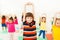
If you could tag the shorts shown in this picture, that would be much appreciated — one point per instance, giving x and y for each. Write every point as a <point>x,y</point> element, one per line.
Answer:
<point>3,25</point>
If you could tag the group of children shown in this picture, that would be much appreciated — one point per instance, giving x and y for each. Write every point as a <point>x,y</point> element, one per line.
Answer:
<point>9,23</point>
<point>29,27</point>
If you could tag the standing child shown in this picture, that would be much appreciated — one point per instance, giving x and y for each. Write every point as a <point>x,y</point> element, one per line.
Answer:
<point>42,26</point>
<point>16,23</point>
<point>29,28</point>
<point>56,29</point>
<point>11,27</point>
<point>16,28</point>
<point>3,22</point>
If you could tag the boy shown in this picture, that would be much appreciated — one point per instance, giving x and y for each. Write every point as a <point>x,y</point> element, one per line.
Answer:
<point>3,23</point>
<point>29,27</point>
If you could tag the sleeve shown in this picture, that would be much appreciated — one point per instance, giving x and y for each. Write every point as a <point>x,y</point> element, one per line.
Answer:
<point>16,21</point>
<point>24,23</point>
<point>6,23</point>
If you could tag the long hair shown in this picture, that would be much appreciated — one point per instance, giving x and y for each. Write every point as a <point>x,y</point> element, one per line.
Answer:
<point>56,20</point>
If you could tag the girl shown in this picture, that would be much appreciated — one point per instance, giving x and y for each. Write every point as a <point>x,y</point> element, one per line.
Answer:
<point>16,25</point>
<point>29,28</point>
<point>42,26</point>
<point>56,29</point>
<point>11,27</point>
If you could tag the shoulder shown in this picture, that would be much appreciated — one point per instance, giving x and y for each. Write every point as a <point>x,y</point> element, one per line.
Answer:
<point>7,22</point>
<point>24,23</point>
<point>34,22</point>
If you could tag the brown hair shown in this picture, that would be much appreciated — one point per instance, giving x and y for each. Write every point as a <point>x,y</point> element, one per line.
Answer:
<point>11,18</point>
<point>56,20</point>
<point>29,15</point>
<point>3,17</point>
<point>15,17</point>
<point>44,17</point>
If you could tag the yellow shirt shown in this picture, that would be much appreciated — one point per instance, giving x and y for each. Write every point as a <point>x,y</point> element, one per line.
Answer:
<point>43,26</point>
<point>56,32</point>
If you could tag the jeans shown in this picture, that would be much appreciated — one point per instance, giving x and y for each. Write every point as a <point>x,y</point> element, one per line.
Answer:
<point>42,31</point>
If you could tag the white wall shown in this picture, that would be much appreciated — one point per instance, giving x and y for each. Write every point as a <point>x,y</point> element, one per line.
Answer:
<point>50,7</point>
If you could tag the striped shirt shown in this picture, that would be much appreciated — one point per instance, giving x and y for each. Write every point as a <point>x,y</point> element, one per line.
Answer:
<point>29,30</point>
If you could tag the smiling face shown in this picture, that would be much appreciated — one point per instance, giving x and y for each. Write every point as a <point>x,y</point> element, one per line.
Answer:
<point>29,19</point>
<point>58,22</point>
<point>10,20</point>
<point>43,19</point>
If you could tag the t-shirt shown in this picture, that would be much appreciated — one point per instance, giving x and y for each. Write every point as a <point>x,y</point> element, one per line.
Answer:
<point>43,26</point>
<point>11,26</point>
<point>56,32</point>
<point>29,30</point>
<point>3,20</point>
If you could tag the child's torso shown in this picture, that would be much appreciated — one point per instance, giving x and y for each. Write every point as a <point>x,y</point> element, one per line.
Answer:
<point>56,32</point>
<point>11,27</point>
<point>43,26</point>
<point>29,31</point>
<point>3,21</point>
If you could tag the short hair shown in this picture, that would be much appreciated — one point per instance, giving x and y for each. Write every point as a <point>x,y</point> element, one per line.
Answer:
<point>29,15</point>
<point>3,17</point>
<point>43,17</point>
<point>15,17</point>
<point>57,18</point>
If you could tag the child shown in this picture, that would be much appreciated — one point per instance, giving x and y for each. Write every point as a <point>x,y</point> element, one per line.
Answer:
<point>11,27</point>
<point>29,27</point>
<point>56,29</point>
<point>42,26</point>
<point>22,17</point>
<point>16,24</point>
<point>3,22</point>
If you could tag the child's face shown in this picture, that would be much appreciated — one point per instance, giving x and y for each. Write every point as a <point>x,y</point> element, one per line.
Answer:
<point>29,19</point>
<point>10,21</point>
<point>58,23</point>
<point>44,19</point>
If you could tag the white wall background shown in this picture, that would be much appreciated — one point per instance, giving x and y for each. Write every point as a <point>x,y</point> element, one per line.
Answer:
<point>50,7</point>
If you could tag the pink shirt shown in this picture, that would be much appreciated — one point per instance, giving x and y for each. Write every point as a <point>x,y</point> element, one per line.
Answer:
<point>11,26</point>
<point>16,21</point>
